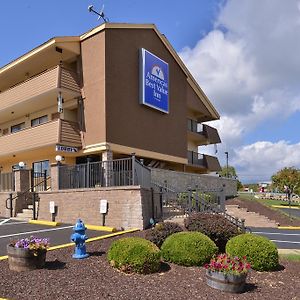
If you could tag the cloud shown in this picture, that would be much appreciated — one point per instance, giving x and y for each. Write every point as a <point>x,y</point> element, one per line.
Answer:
<point>262,159</point>
<point>249,66</point>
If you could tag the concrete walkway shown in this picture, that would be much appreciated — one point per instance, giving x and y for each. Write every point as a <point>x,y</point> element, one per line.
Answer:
<point>252,219</point>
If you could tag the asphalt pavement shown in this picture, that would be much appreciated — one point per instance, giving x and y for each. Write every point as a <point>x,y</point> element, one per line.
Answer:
<point>11,230</point>
<point>283,238</point>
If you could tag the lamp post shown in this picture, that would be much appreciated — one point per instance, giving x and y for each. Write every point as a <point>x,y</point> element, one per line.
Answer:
<point>227,175</point>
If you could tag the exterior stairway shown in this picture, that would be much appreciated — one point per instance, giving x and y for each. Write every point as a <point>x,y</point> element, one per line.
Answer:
<point>26,214</point>
<point>252,219</point>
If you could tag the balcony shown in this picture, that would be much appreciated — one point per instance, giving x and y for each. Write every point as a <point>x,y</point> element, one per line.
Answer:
<point>203,161</point>
<point>202,134</point>
<point>47,134</point>
<point>38,92</point>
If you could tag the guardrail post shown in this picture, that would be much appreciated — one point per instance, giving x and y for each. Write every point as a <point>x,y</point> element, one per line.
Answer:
<point>189,200</point>
<point>45,179</point>
<point>222,198</point>
<point>34,205</point>
<point>133,168</point>
<point>11,204</point>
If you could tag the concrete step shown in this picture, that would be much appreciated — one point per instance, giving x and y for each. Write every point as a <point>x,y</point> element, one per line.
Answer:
<point>252,219</point>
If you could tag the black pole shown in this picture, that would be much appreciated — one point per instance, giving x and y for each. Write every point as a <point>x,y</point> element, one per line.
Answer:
<point>34,206</point>
<point>227,174</point>
<point>45,180</point>
<point>11,204</point>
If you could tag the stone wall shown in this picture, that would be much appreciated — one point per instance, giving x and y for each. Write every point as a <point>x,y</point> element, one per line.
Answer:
<point>181,180</point>
<point>19,203</point>
<point>128,207</point>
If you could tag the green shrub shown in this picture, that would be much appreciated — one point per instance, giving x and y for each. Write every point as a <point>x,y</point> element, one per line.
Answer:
<point>134,254</point>
<point>259,251</point>
<point>188,248</point>
<point>215,226</point>
<point>161,231</point>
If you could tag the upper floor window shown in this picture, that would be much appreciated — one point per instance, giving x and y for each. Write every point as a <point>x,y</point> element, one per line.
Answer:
<point>18,127</point>
<point>38,121</point>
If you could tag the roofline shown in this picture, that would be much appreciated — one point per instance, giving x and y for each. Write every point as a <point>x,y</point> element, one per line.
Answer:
<point>38,49</point>
<point>190,79</point>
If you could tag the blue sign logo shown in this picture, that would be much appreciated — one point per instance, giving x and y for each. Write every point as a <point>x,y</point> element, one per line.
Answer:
<point>154,81</point>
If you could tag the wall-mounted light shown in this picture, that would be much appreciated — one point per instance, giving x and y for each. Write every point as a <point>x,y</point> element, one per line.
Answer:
<point>60,101</point>
<point>21,165</point>
<point>59,158</point>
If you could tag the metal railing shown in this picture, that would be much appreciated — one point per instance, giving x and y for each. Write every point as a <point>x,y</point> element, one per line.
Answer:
<point>7,182</point>
<point>195,158</point>
<point>40,181</point>
<point>195,200</point>
<point>119,172</point>
<point>30,192</point>
<point>194,126</point>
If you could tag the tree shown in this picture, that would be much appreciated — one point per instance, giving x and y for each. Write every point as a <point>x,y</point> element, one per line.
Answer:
<point>231,174</point>
<point>287,177</point>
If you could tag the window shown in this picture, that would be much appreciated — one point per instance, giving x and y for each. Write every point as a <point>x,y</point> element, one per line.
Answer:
<point>41,166</point>
<point>18,127</point>
<point>38,121</point>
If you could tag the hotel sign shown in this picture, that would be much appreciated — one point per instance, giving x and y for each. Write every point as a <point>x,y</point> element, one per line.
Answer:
<point>66,149</point>
<point>154,81</point>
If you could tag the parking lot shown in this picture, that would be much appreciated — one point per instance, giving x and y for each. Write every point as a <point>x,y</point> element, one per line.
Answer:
<point>11,230</point>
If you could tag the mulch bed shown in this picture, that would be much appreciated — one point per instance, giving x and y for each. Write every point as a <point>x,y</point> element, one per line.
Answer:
<point>272,214</point>
<point>94,278</point>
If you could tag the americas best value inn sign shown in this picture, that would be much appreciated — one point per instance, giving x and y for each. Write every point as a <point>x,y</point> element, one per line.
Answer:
<point>154,81</point>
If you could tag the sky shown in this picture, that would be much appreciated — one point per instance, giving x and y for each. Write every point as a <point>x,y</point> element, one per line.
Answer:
<point>245,55</point>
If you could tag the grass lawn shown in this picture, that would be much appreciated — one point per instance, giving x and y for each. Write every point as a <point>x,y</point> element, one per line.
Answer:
<point>269,203</point>
<point>290,257</point>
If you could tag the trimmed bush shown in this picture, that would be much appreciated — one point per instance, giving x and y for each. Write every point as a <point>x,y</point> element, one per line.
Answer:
<point>261,253</point>
<point>161,231</point>
<point>188,248</point>
<point>215,226</point>
<point>134,254</point>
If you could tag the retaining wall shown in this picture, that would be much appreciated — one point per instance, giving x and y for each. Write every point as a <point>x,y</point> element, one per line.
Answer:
<point>128,207</point>
<point>181,181</point>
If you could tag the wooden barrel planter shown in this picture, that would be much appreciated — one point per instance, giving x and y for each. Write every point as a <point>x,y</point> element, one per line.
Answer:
<point>20,259</point>
<point>226,282</point>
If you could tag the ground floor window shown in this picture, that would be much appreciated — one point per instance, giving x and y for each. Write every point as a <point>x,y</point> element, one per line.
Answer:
<point>41,166</point>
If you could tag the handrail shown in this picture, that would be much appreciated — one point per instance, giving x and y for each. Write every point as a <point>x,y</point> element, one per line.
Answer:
<point>209,206</point>
<point>24,192</point>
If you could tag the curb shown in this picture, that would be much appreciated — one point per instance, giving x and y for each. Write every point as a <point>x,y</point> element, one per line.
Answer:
<point>88,241</point>
<point>100,228</point>
<point>284,206</point>
<point>288,251</point>
<point>42,222</point>
<point>289,227</point>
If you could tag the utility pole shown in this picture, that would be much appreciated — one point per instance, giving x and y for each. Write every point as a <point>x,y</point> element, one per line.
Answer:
<point>227,174</point>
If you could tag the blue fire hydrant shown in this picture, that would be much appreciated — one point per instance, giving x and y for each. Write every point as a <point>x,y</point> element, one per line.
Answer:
<point>79,238</point>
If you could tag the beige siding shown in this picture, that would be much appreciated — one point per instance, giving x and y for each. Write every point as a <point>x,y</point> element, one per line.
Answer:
<point>70,134</point>
<point>33,87</point>
<point>38,85</point>
<point>69,80</point>
<point>31,138</point>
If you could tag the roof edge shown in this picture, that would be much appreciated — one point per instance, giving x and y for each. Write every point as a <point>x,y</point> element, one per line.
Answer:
<point>38,49</point>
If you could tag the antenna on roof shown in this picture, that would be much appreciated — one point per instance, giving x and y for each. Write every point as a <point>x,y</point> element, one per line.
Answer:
<point>99,14</point>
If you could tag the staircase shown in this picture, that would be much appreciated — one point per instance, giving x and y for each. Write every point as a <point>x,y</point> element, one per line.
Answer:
<point>252,219</point>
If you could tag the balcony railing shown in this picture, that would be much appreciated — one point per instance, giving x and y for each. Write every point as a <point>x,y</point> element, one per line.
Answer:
<point>7,182</point>
<point>211,163</point>
<point>43,83</point>
<point>118,172</point>
<point>50,133</point>
<point>205,133</point>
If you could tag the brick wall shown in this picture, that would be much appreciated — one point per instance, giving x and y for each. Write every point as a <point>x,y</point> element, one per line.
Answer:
<point>128,207</point>
<point>181,180</point>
